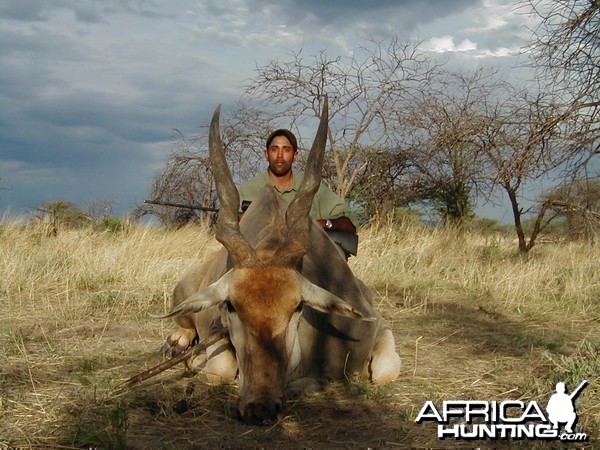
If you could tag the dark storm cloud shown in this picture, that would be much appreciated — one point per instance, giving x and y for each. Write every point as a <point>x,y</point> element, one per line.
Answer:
<point>85,11</point>
<point>408,14</point>
<point>25,10</point>
<point>77,124</point>
<point>41,10</point>
<point>38,47</point>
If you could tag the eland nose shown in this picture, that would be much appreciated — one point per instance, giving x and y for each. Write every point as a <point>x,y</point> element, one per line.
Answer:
<point>261,410</point>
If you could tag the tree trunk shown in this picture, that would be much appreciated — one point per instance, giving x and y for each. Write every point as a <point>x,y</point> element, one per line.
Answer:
<point>512,195</point>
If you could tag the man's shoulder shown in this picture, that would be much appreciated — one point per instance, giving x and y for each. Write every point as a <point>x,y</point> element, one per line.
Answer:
<point>323,186</point>
<point>261,178</point>
<point>256,183</point>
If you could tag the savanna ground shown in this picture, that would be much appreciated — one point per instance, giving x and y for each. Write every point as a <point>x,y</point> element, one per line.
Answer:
<point>472,320</point>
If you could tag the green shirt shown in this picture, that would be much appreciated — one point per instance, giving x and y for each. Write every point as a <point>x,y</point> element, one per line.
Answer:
<point>326,204</point>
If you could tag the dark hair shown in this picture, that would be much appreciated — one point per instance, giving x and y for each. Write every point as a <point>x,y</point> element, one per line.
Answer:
<point>286,133</point>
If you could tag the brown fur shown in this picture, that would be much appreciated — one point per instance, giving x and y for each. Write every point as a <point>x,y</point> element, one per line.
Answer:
<point>265,298</point>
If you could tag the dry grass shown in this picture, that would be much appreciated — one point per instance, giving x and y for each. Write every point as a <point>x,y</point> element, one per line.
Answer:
<point>472,321</point>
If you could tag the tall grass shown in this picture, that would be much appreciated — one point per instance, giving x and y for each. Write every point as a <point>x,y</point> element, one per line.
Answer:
<point>472,319</point>
<point>125,271</point>
<point>558,278</point>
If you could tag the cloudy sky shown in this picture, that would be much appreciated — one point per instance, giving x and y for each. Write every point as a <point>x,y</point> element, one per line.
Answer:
<point>91,90</point>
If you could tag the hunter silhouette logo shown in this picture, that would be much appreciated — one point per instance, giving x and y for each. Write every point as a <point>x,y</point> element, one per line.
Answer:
<point>508,419</point>
<point>561,406</point>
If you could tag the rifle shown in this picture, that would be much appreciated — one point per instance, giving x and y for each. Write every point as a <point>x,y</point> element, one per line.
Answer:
<point>180,205</point>
<point>578,390</point>
<point>348,241</point>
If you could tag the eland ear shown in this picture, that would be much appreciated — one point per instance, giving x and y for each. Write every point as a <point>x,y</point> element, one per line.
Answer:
<point>205,298</point>
<point>324,301</point>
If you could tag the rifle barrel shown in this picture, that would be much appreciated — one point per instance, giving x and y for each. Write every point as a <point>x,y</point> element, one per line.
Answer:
<point>181,205</point>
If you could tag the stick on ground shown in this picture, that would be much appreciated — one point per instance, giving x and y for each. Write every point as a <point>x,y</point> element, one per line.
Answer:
<point>183,356</point>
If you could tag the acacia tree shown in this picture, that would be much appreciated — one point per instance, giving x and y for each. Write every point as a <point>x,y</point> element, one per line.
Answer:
<point>566,45</point>
<point>61,214</point>
<point>528,141</point>
<point>365,91</point>
<point>184,179</point>
<point>187,179</point>
<point>566,51</point>
<point>556,131</point>
<point>384,183</point>
<point>579,204</point>
<point>448,125</point>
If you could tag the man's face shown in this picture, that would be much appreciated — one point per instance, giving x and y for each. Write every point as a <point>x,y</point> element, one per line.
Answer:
<point>280,156</point>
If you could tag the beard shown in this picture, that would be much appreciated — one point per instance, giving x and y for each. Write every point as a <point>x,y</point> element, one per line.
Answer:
<point>280,168</point>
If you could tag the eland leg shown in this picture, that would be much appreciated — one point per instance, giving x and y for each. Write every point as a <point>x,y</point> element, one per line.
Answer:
<point>385,362</point>
<point>221,366</point>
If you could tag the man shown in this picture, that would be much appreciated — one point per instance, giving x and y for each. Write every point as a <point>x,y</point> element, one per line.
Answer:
<point>330,211</point>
